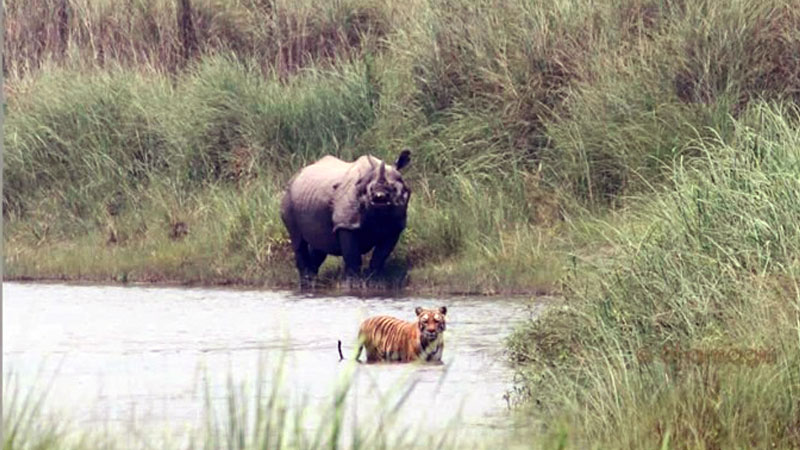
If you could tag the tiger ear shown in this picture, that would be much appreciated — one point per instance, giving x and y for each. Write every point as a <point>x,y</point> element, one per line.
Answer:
<point>443,310</point>
<point>418,310</point>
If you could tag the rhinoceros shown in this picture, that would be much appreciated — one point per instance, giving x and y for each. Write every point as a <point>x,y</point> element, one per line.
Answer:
<point>333,207</point>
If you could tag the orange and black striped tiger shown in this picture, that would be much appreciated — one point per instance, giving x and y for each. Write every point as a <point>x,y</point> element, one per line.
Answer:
<point>388,339</point>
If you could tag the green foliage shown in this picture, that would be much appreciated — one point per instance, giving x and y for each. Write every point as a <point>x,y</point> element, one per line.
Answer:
<point>714,270</point>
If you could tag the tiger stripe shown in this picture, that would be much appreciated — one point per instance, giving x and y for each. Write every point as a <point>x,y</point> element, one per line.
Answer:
<point>393,340</point>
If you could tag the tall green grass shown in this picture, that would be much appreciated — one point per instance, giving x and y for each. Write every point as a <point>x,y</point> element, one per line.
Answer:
<point>122,128</point>
<point>122,158</point>
<point>87,136</point>
<point>673,72</point>
<point>28,423</point>
<point>713,267</point>
<point>210,156</point>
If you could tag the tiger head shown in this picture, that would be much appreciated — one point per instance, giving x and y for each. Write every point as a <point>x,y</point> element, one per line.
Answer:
<point>431,322</point>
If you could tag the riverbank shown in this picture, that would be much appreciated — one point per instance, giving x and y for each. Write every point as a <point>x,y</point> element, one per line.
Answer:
<point>228,241</point>
<point>335,288</point>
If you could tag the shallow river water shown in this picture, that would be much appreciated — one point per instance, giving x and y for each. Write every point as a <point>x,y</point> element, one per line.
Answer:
<point>150,356</point>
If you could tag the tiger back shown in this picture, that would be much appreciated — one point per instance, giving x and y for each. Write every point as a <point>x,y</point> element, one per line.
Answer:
<point>388,339</point>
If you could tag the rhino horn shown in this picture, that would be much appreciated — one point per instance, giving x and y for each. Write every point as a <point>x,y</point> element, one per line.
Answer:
<point>382,173</point>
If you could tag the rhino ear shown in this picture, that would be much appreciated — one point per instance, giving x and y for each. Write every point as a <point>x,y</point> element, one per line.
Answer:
<point>403,159</point>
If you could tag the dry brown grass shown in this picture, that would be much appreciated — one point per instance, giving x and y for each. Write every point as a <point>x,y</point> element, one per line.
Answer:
<point>167,35</point>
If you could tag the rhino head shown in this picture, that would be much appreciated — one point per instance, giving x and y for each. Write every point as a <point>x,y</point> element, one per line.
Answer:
<point>371,188</point>
<point>385,188</point>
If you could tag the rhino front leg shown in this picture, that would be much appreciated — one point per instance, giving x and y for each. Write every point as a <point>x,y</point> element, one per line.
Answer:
<point>381,253</point>
<point>351,253</point>
<point>315,260</point>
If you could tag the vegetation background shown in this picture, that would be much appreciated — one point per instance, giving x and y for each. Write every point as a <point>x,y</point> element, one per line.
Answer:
<point>640,157</point>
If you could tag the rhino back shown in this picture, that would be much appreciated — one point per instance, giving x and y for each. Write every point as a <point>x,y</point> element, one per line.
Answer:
<point>310,195</point>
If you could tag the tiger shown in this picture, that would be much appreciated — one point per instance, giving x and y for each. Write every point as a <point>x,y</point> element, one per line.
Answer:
<point>393,340</point>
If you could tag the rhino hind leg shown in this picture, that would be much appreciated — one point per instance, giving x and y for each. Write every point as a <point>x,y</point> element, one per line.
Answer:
<point>302,259</point>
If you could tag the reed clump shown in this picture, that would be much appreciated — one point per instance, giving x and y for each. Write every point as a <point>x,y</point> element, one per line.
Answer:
<point>698,316</point>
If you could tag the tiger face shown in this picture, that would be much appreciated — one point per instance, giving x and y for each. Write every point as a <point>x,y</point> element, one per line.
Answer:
<point>431,322</point>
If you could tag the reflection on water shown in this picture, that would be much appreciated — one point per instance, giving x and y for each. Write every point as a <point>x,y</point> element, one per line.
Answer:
<point>145,355</point>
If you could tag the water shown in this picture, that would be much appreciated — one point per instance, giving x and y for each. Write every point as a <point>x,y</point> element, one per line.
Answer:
<point>145,355</point>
